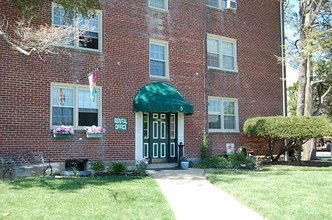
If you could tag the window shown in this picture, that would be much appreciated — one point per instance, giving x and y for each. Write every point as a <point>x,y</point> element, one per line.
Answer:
<point>89,28</point>
<point>158,59</point>
<point>222,53</point>
<point>159,4</point>
<point>222,4</point>
<point>223,114</point>
<point>72,105</point>
<point>172,126</point>
<point>146,126</point>
<point>213,3</point>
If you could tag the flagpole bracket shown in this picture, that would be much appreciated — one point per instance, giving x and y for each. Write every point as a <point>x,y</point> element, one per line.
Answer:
<point>89,74</point>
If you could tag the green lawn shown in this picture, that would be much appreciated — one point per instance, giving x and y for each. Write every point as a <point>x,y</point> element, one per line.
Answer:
<point>83,198</point>
<point>281,192</point>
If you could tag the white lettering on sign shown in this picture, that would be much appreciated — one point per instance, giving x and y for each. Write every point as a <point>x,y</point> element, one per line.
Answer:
<point>120,127</point>
<point>120,120</point>
<point>120,124</point>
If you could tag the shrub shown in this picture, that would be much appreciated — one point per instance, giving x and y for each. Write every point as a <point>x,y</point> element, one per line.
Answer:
<point>214,162</point>
<point>296,129</point>
<point>239,160</point>
<point>279,127</point>
<point>117,168</point>
<point>236,161</point>
<point>141,166</point>
<point>97,166</point>
<point>205,146</point>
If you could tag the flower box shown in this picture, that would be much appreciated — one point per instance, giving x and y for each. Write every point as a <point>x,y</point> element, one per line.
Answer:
<point>95,132</point>
<point>94,135</point>
<point>63,132</point>
<point>62,135</point>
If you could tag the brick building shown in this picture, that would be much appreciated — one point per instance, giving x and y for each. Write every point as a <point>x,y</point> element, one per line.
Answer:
<point>170,69</point>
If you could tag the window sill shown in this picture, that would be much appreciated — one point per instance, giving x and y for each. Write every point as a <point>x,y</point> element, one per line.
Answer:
<point>222,10</point>
<point>223,70</point>
<point>158,9</point>
<point>224,131</point>
<point>81,50</point>
<point>87,51</point>
<point>214,8</point>
<point>158,79</point>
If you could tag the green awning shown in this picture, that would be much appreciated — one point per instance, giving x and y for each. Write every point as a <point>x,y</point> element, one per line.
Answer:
<point>160,97</point>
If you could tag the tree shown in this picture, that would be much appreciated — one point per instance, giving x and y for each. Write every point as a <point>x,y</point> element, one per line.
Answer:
<point>297,130</point>
<point>292,98</point>
<point>314,45</point>
<point>28,36</point>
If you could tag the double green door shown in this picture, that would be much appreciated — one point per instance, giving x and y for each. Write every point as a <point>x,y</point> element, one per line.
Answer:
<point>159,132</point>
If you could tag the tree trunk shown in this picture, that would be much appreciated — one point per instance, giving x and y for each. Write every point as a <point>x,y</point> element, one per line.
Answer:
<point>308,11</point>
<point>302,64</point>
<point>309,146</point>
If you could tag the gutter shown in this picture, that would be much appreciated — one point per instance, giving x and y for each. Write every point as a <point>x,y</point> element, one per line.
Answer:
<point>283,67</point>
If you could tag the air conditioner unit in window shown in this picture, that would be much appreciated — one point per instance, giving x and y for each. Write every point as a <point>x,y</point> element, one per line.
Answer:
<point>229,4</point>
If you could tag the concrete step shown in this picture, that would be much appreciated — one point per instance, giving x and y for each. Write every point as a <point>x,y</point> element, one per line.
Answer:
<point>155,166</point>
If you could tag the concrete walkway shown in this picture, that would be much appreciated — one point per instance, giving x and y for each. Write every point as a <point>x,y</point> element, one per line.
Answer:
<point>191,196</point>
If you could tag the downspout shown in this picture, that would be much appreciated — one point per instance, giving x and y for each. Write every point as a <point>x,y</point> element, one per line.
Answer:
<point>283,67</point>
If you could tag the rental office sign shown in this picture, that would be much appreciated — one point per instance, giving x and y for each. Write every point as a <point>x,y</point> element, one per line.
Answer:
<point>120,124</point>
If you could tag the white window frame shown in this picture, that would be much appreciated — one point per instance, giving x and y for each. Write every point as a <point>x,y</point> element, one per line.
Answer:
<point>165,7</point>
<point>76,38</point>
<point>220,40</point>
<point>164,44</point>
<point>221,100</point>
<point>76,88</point>
<point>218,5</point>
<point>224,4</point>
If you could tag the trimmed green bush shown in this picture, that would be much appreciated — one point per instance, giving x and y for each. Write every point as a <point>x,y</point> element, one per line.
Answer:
<point>97,166</point>
<point>296,129</point>
<point>117,168</point>
<point>279,127</point>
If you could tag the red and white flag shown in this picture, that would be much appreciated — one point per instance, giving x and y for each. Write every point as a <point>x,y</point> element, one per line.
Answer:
<point>92,83</point>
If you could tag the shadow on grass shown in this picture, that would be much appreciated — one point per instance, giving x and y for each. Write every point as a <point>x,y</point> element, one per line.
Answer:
<point>66,184</point>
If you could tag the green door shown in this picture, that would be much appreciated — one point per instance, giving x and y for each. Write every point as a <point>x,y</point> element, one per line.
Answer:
<point>159,135</point>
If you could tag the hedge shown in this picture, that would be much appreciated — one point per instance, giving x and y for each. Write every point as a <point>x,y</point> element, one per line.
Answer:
<point>296,129</point>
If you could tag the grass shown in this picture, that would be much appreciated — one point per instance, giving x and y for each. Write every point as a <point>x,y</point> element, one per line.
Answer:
<point>281,192</point>
<point>117,197</point>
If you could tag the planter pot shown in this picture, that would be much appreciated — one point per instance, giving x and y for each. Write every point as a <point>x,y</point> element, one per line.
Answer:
<point>184,164</point>
<point>94,135</point>
<point>62,135</point>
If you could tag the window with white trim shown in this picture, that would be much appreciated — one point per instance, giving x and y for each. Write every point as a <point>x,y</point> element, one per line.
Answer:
<point>89,27</point>
<point>221,53</point>
<point>159,4</point>
<point>72,105</point>
<point>222,4</point>
<point>158,51</point>
<point>223,114</point>
<point>146,125</point>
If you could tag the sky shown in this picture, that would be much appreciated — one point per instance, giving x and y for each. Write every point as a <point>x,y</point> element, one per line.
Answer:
<point>291,74</point>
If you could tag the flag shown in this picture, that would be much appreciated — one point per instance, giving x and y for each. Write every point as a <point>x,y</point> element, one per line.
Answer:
<point>92,83</point>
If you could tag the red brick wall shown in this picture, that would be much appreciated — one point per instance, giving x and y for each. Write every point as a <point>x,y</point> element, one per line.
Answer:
<point>127,27</point>
<point>257,85</point>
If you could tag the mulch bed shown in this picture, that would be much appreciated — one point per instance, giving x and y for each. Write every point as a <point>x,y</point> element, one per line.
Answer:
<point>98,174</point>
